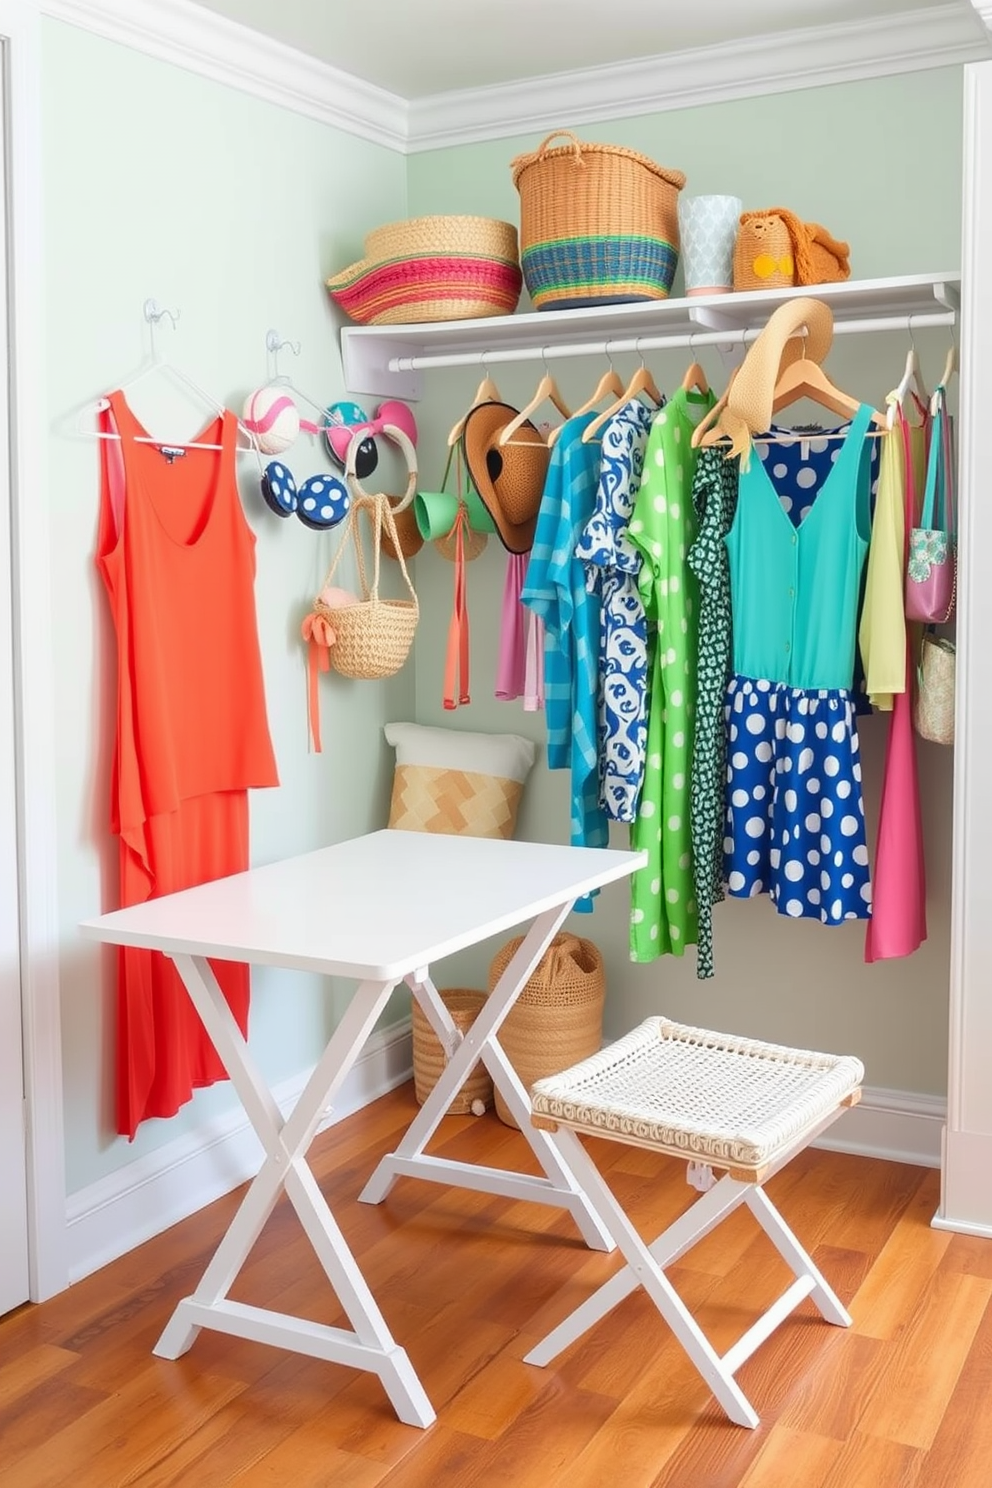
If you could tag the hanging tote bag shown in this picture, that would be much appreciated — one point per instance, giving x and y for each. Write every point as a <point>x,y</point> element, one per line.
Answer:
<point>931,573</point>
<point>362,637</point>
<point>933,709</point>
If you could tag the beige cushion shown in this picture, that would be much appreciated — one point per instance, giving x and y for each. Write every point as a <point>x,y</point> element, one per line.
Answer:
<point>456,782</point>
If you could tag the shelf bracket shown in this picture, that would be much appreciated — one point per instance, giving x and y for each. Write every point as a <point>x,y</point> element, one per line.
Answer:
<point>365,363</point>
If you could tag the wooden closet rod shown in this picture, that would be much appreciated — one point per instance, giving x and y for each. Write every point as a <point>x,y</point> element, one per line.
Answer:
<point>674,340</point>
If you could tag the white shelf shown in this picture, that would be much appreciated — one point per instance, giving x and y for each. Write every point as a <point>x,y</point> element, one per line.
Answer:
<point>386,361</point>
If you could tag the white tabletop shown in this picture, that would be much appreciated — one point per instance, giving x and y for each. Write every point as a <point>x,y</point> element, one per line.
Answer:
<point>375,908</point>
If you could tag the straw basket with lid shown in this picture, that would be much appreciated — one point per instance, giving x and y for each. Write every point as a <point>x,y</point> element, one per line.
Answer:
<point>558,1017</point>
<point>598,224</point>
<point>432,268</point>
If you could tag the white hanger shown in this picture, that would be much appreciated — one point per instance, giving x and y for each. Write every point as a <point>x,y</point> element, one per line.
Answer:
<point>158,363</point>
<point>274,344</point>
<point>911,374</point>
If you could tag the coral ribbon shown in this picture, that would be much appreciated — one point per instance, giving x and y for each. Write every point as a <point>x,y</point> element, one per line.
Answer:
<point>320,637</point>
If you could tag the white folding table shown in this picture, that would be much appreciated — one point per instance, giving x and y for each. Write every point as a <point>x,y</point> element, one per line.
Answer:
<point>380,910</point>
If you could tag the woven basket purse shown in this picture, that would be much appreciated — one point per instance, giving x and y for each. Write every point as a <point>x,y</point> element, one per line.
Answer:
<point>367,640</point>
<point>598,223</point>
<point>558,1017</point>
<point>372,639</point>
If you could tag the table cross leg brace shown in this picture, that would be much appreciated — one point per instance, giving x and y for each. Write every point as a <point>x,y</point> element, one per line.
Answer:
<point>559,1186</point>
<point>645,1267</point>
<point>371,1346</point>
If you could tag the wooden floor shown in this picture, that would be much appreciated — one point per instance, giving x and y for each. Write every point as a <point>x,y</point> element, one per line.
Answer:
<point>468,1283</point>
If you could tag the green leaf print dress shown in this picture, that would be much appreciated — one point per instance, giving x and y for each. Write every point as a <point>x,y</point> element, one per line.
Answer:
<point>663,904</point>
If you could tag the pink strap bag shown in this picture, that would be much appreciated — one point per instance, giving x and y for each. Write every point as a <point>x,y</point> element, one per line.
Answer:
<point>931,572</point>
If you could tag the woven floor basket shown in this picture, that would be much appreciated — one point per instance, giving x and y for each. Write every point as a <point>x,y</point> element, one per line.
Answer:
<point>428,1056</point>
<point>597,223</point>
<point>558,1018</point>
<point>432,268</point>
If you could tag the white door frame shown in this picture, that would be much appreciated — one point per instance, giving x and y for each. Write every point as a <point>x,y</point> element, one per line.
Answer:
<point>35,676</point>
<point>966,1189</point>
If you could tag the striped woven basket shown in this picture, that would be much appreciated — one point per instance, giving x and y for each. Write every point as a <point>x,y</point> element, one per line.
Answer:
<point>463,1003</point>
<point>558,1017</point>
<point>432,268</point>
<point>598,224</point>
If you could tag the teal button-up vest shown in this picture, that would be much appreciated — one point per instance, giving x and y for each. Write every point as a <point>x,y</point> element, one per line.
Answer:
<point>795,588</point>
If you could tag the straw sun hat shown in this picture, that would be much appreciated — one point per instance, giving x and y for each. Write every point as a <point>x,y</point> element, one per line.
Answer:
<point>749,401</point>
<point>509,478</point>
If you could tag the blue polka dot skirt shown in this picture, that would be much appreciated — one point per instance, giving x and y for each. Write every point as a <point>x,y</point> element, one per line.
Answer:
<point>795,820</point>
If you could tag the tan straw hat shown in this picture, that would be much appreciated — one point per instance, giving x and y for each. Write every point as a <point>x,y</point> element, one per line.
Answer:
<point>749,402</point>
<point>508,478</point>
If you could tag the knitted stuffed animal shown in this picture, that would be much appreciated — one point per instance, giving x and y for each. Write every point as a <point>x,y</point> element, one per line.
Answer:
<point>775,249</point>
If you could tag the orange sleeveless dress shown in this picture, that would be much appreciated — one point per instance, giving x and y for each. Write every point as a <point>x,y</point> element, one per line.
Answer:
<point>178,560</point>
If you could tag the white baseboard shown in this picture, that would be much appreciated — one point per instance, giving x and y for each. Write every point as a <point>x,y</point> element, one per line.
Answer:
<point>112,1216</point>
<point>897,1125</point>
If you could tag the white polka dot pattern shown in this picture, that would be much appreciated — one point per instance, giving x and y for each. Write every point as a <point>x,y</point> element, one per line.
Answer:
<point>794,825</point>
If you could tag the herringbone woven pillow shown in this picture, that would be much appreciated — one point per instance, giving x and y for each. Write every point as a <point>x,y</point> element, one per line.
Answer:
<point>463,784</point>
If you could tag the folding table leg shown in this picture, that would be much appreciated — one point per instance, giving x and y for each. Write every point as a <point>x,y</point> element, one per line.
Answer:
<point>370,1346</point>
<point>559,1185</point>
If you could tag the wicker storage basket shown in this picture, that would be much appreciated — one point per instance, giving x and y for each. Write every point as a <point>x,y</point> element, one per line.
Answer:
<point>432,268</point>
<point>558,1017</point>
<point>598,224</point>
<point>372,639</point>
<point>429,1058</point>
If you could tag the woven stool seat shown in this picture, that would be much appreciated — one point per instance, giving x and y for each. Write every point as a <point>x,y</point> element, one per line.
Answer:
<point>718,1101</point>
<point>735,1103</point>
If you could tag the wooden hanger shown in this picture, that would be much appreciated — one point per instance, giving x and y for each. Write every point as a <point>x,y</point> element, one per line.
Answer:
<point>486,392</point>
<point>642,383</point>
<point>546,390</point>
<point>695,378</point>
<point>950,367</point>
<point>806,379</point>
<point>707,431</point>
<point>911,381</point>
<point>609,383</point>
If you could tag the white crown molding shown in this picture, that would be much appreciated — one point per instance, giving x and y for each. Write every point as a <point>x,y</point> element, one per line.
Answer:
<point>131,1205</point>
<point>197,39</point>
<point>940,36</point>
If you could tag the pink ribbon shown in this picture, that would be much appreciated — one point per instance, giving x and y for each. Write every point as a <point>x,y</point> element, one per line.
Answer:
<point>390,413</point>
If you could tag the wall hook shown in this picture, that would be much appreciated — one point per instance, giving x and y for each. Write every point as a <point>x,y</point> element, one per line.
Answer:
<point>274,344</point>
<point>153,313</point>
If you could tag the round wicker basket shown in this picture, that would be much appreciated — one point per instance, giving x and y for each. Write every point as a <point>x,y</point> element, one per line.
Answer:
<point>558,1017</point>
<point>597,223</point>
<point>463,1003</point>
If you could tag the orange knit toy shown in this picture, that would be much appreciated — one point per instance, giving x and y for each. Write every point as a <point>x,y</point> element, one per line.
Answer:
<point>775,248</point>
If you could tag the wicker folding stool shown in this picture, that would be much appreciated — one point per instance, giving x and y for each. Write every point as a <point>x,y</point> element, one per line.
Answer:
<point>720,1102</point>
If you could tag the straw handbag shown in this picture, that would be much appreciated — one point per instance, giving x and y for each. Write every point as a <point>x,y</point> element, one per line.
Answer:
<point>372,639</point>
<point>558,1017</point>
<point>429,1058</point>
<point>598,223</point>
<point>933,707</point>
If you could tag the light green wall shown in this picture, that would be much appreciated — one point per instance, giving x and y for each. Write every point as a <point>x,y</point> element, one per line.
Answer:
<point>823,153</point>
<point>160,183</point>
